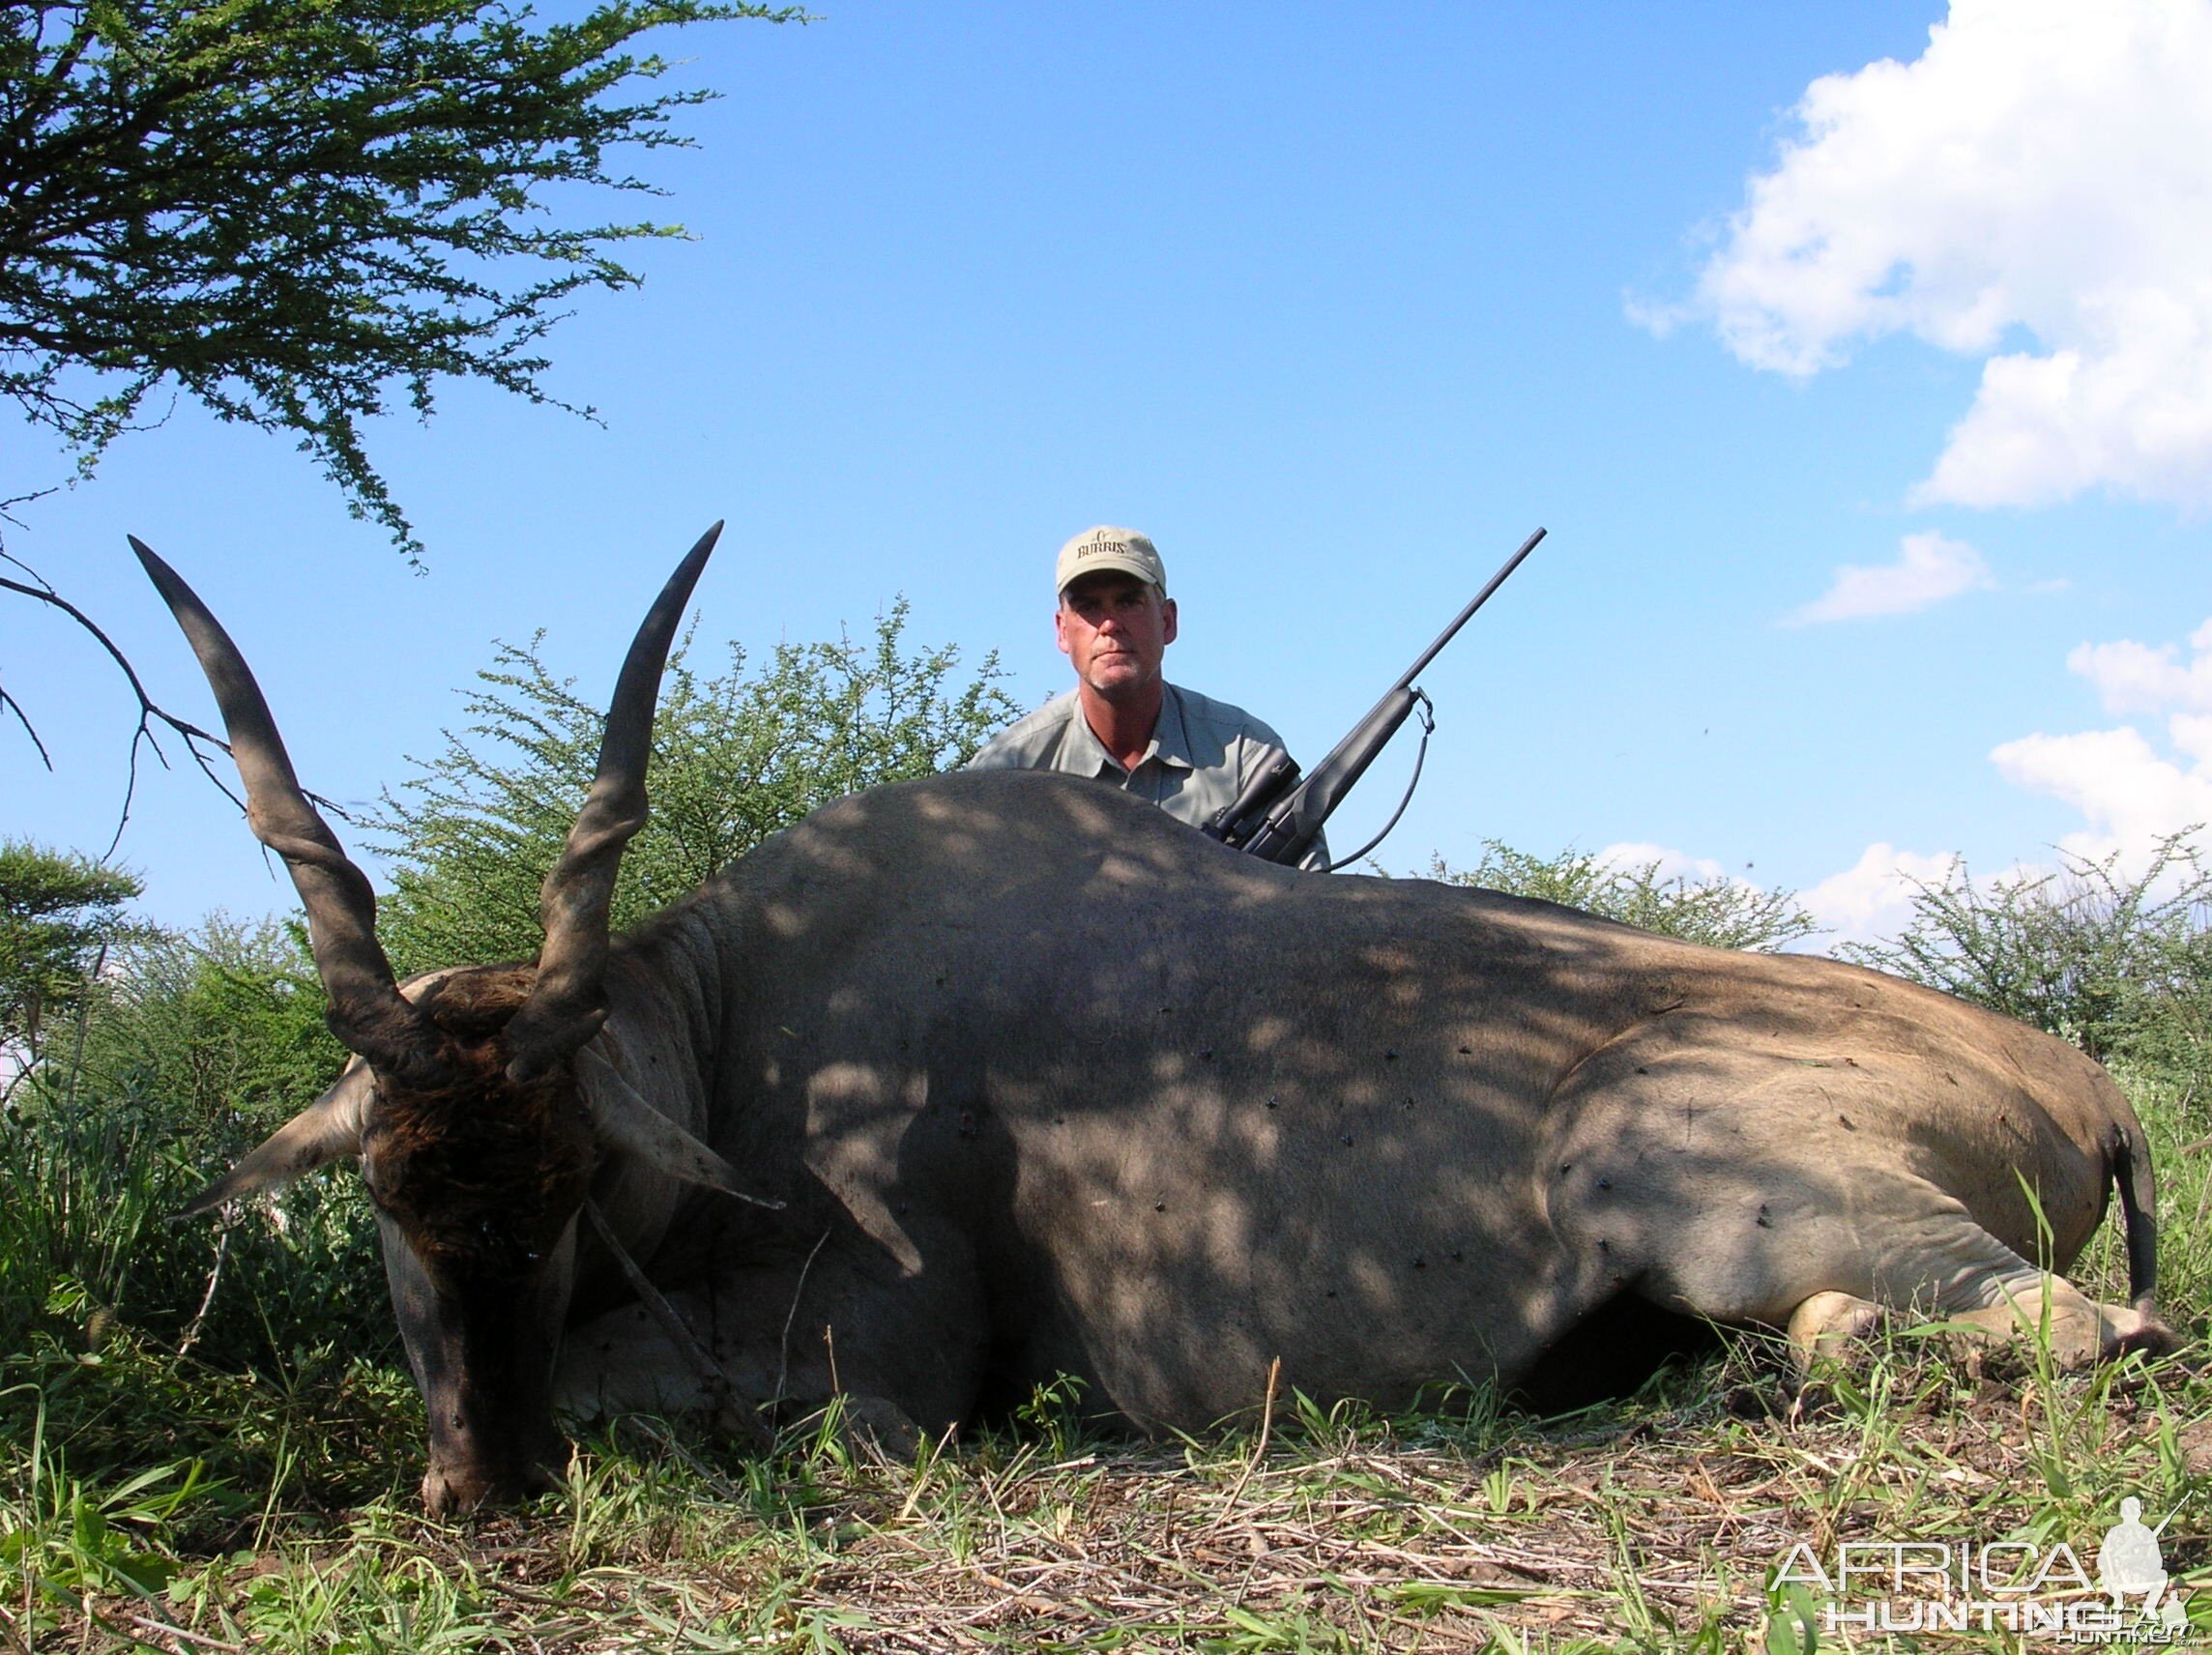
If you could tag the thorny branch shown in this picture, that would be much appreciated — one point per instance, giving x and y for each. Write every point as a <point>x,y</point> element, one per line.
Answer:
<point>150,712</point>
<point>201,743</point>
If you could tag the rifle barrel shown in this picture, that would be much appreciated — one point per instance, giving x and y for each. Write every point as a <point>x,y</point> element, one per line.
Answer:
<point>1468,613</point>
<point>1296,813</point>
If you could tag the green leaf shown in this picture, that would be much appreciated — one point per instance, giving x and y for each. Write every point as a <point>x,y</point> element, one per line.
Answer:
<point>298,212</point>
<point>1718,911</point>
<point>735,758</point>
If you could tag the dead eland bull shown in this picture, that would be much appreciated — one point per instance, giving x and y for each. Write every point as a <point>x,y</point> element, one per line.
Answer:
<point>965,1083</point>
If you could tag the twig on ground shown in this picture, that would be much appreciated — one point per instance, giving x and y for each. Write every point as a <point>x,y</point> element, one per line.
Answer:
<point>191,1333</point>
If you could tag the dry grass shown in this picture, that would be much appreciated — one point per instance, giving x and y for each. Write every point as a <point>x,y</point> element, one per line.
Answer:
<point>1649,1524</point>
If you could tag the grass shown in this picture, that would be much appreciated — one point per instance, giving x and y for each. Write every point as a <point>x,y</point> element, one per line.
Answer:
<point>258,1495</point>
<point>1646,1525</point>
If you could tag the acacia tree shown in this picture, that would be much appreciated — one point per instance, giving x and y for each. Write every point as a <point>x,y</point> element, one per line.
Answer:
<point>286,209</point>
<point>59,914</point>
<point>293,212</point>
<point>2119,964</point>
<point>1718,911</point>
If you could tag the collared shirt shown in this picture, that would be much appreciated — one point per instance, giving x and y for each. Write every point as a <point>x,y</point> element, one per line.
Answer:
<point>1202,753</point>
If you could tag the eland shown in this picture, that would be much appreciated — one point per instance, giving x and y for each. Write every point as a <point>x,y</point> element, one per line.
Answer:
<point>964,1084</point>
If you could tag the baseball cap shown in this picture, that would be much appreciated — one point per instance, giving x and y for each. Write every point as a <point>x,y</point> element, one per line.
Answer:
<point>1105,547</point>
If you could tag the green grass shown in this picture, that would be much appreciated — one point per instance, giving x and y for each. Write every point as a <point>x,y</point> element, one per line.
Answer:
<point>256,1491</point>
<point>1648,1525</point>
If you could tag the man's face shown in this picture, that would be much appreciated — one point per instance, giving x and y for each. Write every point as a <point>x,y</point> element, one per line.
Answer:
<point>1116,628</point>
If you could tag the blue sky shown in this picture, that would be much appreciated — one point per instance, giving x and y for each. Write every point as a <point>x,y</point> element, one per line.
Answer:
<point>1337,306</point>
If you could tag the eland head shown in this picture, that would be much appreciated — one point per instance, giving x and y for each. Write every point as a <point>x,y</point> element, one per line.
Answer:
<point>474,1104</point>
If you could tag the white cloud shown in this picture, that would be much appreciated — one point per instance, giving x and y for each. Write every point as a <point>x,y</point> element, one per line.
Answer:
<point>2039,178</point>
<point>2192,734</point>
<point>1873,898</point>
<point>2129,793</point>
<point>1928,570</point>
<point>2131,788</point>
<point>1670,863</point>
<point>2133,678</point>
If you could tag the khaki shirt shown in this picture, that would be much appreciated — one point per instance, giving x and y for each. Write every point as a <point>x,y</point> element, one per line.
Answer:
<point>1202,753</point>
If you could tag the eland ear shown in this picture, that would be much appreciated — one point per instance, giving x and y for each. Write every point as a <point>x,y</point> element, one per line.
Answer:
<point>635,1127</point>
<point>323,1132</point>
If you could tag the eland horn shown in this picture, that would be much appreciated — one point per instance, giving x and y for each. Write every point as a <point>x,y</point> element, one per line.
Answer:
<point>568,1003</point>
<point>368,1012</point>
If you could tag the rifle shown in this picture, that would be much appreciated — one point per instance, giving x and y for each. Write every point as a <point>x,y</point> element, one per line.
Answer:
<point>1276,816</point>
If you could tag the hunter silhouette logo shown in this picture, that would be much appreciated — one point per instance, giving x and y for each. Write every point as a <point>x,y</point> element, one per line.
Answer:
<point>2129,1565</point>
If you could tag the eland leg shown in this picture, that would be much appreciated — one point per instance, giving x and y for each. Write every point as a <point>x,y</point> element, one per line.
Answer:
<point>1820,1248</point>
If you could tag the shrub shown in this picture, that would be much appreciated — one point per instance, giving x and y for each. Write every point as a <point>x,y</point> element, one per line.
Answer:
<point>2119,964</point>
<point>192,1049</point>
<point>59,915</point>
<point>1720,913</point>
<point>735,758</point>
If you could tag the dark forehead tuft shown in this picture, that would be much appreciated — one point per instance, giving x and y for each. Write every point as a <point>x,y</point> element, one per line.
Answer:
<point>474,1003</point>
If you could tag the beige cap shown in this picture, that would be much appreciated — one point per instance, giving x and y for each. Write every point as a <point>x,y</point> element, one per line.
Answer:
<point>1122,550</point>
